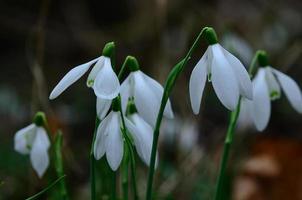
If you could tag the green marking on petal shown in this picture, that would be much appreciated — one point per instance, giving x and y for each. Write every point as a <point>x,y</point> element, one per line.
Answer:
<point>209,77</point>
<point>275,95</point>
<point>90,83</point>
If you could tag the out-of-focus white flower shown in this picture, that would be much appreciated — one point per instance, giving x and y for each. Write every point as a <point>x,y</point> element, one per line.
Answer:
<point>147,94</point>
<point>267,86</point>
<point>188,136</point>
<point>33,140</point>
<point>229,78</point>
<point>238,46</point>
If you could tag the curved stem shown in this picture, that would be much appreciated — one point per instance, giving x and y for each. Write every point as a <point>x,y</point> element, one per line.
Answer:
<point>36,196</point>
<point>167,90</point>
<point>229,137</point>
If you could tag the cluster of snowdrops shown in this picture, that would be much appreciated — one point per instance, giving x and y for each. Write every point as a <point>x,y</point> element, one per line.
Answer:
<point>130,111</point>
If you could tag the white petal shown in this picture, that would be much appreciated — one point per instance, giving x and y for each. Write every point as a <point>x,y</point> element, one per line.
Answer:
<point>125,92</point>
<point>71,77</point>
<point>39,155</point>
<point>142,134</point>
<point>243,78</point>
<point>102,107</point>
<point>272,84</point>
<point>95,70</point>
<point>245,118</point>
<point>146,101</point>
<point>24,138</point>
<point>114,142</point>
<point>99,146</point>
<point>291,90</point>
<point>106,84</point>
<point>261,105</point>
<point>197,82</point>
<point>224,80</point>
<point>158,90</point>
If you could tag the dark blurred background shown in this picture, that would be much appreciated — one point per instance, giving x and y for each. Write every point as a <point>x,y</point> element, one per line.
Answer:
<point>42,40</point>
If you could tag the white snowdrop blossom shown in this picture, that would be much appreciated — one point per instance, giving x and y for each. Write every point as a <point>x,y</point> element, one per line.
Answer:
<point>147,94</point>
<point>227,74</point>
<point>142,134</point>
<point>102,79</point>
<point>33,140</point>
<point>109,140</point>
<point>267,86</point>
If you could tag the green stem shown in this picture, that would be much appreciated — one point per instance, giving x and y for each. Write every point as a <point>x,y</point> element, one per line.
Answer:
<point>36,196</point>
<point>131,154</point>
<point>92,163</point>
<point>229,136</point>
<point>113,186</point>
<point>125,175</point>
<point>59,164</point>
<point>226,149</point>
<point>167,90</point>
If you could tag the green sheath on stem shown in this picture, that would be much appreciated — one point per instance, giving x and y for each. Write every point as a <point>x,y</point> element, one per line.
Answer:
<point>173,75</point>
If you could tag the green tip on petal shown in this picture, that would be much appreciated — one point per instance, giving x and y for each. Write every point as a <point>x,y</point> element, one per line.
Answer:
<point>40,119</point>
<point>132,63</point>
<point>210,35</point>
<point>262,58</point>
<point>116,104</point>
<point>108,49</point>
<point>131,108</point>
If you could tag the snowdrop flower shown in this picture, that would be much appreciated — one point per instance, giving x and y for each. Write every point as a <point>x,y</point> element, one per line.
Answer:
<point>141,132</point>
<point>147,94</point>
<point>102,78</point>
<point>267,86</point>
<point>33,140</point>
<point>228,75</point>
<point>109,140</point>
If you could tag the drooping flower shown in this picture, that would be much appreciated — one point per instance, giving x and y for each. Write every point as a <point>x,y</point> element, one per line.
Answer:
<point>146,92</point>
<point>109,139</point>
<point>33,140</point>
<point>267,86</point>
<point>141,132</point>
<point>102,78</point>
<point>227,74</point>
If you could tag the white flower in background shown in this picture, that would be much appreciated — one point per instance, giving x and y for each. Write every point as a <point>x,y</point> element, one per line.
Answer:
<point>239,46</point>
<point>188,136</point>
<point>102,78</point>
<point>147,94</point>
<point>142,134</point>
<point>267,86</point>
<point>33,140</point>
<point>229,78</point>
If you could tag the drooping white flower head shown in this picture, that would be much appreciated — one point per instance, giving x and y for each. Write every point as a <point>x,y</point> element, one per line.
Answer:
<point>109,140</point>
<point>102,78</point>
<point>141,133</point>
<point>227,74</point>
<point>267,86</point>
<point>33,140</point>
<point>147,94</point>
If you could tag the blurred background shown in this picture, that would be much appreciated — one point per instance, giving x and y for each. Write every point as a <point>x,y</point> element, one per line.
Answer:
<point>42,40</point>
